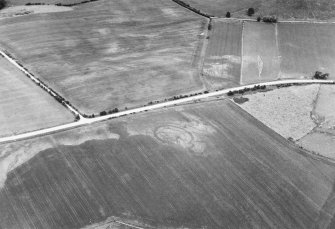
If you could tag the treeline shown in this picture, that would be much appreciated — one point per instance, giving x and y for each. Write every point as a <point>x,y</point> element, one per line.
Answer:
<point>2,4</point>
<point>60,4</point>
<point>246,89</point>
<point>186,5</point>
<point>45,87</point>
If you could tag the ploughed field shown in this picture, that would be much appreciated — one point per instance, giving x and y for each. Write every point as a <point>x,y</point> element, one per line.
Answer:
<point>269,52</point>
<point>206,165</point>
<point>290,9</point>
<point>109,54</point>
<point>24,105</point>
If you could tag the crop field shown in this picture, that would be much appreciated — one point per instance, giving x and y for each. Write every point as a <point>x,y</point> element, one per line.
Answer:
<point>260,53</point>
<point>208,165</point>
<point>302,9</point>
<point>322,139</point>
<point>24,105</point>
<point>324,109</point>
<point>306,48</point>
<point>222,65</point>
<point>109,54</point>
<point>286,110</point>
<point>304,114</point>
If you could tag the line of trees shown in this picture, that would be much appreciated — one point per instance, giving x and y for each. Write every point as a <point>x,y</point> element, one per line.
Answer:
<point>246,89</point>
<point>186,5</point>
<point>45,87</point>
<point>60,4</point>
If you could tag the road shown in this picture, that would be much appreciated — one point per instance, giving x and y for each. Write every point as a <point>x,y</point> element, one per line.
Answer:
<point>86,121</point>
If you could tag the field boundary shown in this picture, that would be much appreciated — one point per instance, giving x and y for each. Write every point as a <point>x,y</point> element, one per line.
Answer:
<point>85,121</point>
<point>197,11</point>
<point>41,84</point>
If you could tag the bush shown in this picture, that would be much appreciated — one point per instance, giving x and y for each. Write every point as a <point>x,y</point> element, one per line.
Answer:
<point>102,113</point>
<point>259,18</point>
<point>250,12</point>
<point>228,15</point>
<point>209,26</point>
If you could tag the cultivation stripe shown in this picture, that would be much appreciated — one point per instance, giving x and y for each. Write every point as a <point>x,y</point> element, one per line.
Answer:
<point>241,73</point>
<point>85,121</point>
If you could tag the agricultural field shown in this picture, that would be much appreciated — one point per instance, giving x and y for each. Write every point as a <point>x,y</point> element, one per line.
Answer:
<point>108,54</point>
<point>286,110</point>
<point>322,139</point>
<point>24,106</point>
<point>209,165</point>
<point>222,64</point>
<point>287,9</point>
<point>303,114</point>
<point>261,60</point>
<point>306,48</point>
<point>25,10</point>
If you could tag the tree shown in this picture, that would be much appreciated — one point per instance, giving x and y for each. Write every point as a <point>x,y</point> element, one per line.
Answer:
<point>102,113</point>
<point>250,12</point>
<point>228,14</point>
<point>2,4</point>
<point>320,75</point>
<point>209,26</point>
<point>230,93</point>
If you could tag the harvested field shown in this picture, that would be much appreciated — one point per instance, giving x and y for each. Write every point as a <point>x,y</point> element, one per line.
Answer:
<point>322,139</point>
<point>320,142</point>
<point>222,65</point>
<point>324,109</point>
<point>206,165</point>
<point>306,48</point>
<point>302,9</point>
<point>286,110</point>
<point>24,105</point>
<point>260,53</point>
<point>111,54</point>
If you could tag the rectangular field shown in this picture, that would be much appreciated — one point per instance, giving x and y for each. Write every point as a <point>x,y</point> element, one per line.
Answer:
<point>222,65</point>
<point>306,48</point>
<point>108,54</point>
<point>207,165</point>
<point>24,106</point>
<point>260,59</point>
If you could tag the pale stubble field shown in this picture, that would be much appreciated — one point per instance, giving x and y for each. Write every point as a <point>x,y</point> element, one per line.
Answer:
<point>24,106</point>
